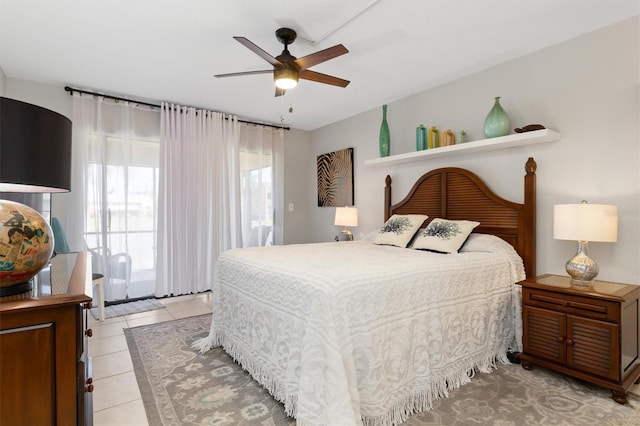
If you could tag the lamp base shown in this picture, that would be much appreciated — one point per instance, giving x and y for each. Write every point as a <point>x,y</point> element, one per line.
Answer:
<point>581,268</point>
<point>581,285</point>
<point>16,289</point>
<point>345,235</point>
<point>26,244</point>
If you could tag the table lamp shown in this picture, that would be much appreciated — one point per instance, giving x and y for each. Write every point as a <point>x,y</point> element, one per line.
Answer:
<point>583,223</point>
<point>346,216</point>
<point>35,157</point>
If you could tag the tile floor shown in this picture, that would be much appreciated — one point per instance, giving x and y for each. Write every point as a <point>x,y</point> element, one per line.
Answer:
<point>116,397</point>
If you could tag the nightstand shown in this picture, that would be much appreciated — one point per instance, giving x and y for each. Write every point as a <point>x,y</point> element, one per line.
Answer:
<point>588,334</point>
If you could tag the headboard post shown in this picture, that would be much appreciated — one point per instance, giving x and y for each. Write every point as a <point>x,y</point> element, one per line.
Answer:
<point>530,217</point>
<point>387,198</point>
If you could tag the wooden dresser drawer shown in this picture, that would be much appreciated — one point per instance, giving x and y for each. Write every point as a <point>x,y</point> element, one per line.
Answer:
<point>587,307</point>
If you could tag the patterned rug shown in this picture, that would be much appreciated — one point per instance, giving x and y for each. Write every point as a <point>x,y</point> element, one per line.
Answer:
<point>182,387</point>
<point>128,308</point>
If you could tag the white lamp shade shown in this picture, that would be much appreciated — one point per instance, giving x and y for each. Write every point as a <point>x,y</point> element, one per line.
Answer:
<point>346,216</point>
<point>585,222</point>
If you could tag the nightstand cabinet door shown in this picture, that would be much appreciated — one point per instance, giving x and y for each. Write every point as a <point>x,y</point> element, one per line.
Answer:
<point>592,347</point>
<point>584,344</point>
<point>544,333</point>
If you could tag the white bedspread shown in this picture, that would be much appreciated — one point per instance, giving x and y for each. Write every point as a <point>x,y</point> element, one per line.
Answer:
<point>352,332</point>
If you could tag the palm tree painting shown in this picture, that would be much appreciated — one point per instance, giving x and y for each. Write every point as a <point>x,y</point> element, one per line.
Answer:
<point>335,178</point>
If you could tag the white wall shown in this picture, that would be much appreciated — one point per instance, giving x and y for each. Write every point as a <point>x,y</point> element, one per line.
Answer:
<point>45,95</point>
<point>297,162</point>
<point>3,82</point>
<point>586,88</point>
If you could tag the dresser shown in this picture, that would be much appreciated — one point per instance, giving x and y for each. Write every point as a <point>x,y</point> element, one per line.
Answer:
<point>45,373</point>
<point>590,334</point>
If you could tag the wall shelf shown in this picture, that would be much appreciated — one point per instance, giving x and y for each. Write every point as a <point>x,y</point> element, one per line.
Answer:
<point>502,142</point>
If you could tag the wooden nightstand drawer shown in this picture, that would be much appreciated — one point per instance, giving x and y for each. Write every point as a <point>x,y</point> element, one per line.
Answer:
<point>584,306</point>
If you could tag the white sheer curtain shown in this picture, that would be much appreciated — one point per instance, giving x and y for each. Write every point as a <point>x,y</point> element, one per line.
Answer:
<point>261,174</point>
<point>199,203</point>
<point>112,141</point>
<point>70,208</point>
<point>218,184</point>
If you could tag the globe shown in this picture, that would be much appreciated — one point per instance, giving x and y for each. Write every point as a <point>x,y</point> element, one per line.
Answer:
<point>26,245</point>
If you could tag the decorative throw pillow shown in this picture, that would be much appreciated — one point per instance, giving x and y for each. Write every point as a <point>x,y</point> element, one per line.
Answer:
<point>399,229</point>
<point>445,236</point>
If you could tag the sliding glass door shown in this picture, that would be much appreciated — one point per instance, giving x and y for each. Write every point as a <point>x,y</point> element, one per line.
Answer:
<point>121,218</point>
<point>257,199</point>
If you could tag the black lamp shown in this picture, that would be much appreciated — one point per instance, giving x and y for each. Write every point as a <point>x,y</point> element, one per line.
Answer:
<point>35,157</point>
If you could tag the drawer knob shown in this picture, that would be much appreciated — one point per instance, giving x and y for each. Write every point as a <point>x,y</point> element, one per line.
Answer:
<point>90,380</point>
<point>89,332</point>
<point>560,339</point>
<point>89,388</point>
<point>570,342</point>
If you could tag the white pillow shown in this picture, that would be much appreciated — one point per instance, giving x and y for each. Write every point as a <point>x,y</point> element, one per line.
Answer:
<point>486,243</point>
<point>493,244</point>
<point>445,236</point>
<point>399,229</point>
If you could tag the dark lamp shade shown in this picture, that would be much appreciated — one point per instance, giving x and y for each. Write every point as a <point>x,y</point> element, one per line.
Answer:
<point>35,148</point>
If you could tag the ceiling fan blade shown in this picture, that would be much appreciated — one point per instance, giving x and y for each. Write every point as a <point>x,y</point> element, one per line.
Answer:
<point>320,56</point>
<point>258,51</point>
<point>280,92</point>
<point>235,74</point>
<point>323,78</point>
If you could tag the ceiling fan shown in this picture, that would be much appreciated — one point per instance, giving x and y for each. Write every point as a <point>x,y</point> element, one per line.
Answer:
<point>287,69</point>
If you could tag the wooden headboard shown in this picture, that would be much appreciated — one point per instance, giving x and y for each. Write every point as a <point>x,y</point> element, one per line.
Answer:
<point>458,194</point>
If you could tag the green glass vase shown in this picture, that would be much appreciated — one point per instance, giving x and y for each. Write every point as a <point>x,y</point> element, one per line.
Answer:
<point>421,138</point>
<point>497,121</point>
<point>385,139</point>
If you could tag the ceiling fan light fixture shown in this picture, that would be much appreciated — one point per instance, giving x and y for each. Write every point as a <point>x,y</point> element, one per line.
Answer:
<point>285,78</point>
<point>287,69</point>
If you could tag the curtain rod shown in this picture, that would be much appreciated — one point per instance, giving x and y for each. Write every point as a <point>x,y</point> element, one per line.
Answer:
<point>117,98</point>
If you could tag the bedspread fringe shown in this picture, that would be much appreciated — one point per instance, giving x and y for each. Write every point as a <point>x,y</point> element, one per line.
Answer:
<point>416,403</point>
<point>205,344</point>
<point>423,401</point>
<point>274,387</point>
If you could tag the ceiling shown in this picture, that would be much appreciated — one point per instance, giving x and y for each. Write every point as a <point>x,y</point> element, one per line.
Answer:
<point>169,50</point>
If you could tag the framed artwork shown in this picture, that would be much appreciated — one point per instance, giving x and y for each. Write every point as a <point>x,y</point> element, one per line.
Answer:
<point>335,178</point>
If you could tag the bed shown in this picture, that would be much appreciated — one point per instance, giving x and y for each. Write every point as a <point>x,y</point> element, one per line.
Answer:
<point>350,333</point>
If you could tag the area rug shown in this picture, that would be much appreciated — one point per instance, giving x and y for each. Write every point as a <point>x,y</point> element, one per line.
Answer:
<point>127,308</point>
<point>180,386</point>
